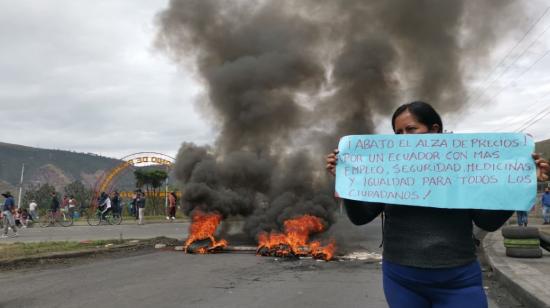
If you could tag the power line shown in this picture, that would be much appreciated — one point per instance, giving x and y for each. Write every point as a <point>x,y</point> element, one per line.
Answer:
<point>538,101</point>
<point>534,114</point>
<point>531,118</point>
<point>516,79</point>
<point>482,91</point>
<point>534,122</point>
<point>523,53</point>
<point>518,42</point>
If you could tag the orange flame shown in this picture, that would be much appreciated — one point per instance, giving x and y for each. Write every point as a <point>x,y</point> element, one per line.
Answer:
<point>323,252</point>
<point>294,240</point>
<point>203,226</point>
<point>297,230</point>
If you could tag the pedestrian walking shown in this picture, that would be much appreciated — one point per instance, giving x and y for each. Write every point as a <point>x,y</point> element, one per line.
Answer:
<point>7,212</point>
<point>546,206</point>
<point>429,254</point>
<point>140,204</point>
<point>33,210</point>
<point>172,201</point>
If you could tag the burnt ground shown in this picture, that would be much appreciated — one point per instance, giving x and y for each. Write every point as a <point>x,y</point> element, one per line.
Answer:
<point>146,277</point>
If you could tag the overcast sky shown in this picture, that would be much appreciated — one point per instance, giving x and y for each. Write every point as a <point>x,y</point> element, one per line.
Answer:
<point>84,75</point>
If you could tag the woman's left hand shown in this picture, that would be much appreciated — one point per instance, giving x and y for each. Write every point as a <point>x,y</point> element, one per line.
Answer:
<point>543,167</point>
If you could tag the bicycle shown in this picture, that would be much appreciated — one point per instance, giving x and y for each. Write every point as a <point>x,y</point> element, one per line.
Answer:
<point>96,218</point>
<point>50,218</point>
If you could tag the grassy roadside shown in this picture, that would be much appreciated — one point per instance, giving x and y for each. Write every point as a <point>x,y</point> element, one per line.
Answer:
<point>19,250</point>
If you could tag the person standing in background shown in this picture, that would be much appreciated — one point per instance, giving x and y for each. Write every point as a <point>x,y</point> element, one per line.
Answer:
<point>140,203</point>
<point>546,206</point>
<point>522,218</point>
<point>33,206</point>
<point>72,205</point>
<point>172,200</point>
<point>7,211</point>
<point>54,203</point>
<point>115,202</point>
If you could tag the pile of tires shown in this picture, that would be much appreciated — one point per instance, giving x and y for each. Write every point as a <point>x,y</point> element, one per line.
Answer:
<point>522,242</point>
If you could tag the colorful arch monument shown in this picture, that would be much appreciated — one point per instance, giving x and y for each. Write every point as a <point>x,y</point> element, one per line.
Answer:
<point>140,159</point>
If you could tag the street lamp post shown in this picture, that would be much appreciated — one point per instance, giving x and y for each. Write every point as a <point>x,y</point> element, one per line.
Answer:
<point>20,187</point>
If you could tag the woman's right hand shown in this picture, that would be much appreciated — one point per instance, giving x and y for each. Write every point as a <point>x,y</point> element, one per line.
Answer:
<point>332,160</point>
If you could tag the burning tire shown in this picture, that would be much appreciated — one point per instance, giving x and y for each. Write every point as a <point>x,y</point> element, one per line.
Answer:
<point>520,232</point>
<point>201,234</point>
<point>516,252</point>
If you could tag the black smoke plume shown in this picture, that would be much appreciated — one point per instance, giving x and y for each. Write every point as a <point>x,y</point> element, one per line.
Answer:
<point>286,79</point>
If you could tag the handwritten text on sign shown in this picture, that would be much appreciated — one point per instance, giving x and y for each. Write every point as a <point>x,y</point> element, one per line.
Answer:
<point>475,171</point>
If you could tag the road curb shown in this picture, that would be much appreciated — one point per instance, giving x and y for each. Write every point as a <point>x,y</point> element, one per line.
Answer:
<point>64,255</point>
<point>506,269</point>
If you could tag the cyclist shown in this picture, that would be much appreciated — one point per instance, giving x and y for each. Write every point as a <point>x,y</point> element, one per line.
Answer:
<point>105,204</point>
<point>54,204</point>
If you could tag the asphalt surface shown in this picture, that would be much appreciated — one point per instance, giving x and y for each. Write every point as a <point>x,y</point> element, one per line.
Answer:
<point>155,278</point>
<point>102,232</point>
<point>174,279</point>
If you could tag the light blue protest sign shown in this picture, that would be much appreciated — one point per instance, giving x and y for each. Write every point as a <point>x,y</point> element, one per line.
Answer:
<point>459,171</point>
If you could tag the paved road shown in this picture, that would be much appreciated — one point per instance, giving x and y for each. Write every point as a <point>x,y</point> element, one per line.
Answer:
<point>170,279</point>
<point>175,279</point>
<point>103,232</point>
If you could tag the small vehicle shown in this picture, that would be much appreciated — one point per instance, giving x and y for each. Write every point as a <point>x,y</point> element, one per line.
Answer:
<point>95,218</point>
<point>50,218</point>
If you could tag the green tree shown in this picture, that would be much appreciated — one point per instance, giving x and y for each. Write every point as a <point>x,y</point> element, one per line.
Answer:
<point>152,181</point>
<point>41,194</point>
<point>81,193</point>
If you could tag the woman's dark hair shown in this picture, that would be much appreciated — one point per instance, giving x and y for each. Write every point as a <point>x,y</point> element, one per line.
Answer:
<point>423,112</point>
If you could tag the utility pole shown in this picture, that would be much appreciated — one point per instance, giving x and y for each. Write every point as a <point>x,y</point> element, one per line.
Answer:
<point>20,187</point>
<point>166,196</point>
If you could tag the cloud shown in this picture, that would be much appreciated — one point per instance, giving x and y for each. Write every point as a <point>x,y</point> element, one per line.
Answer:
<point>84,76</point>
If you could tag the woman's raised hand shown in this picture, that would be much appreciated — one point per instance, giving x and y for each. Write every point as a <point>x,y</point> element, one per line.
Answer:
<point>543,167</point>
<point>332,160</point>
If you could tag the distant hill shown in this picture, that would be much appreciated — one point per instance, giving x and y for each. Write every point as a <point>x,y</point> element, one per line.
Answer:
<point>60,168</point>
<point>55,167</point>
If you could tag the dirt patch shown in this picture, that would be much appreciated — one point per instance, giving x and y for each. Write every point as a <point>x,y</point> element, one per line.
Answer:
<point>86,255</point>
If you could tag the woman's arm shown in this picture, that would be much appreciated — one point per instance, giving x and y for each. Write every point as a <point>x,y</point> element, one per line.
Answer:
<point>360,213</point>
<point>490,220</point>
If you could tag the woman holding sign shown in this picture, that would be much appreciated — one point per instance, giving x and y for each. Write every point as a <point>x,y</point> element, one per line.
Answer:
<point>429,254</point>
